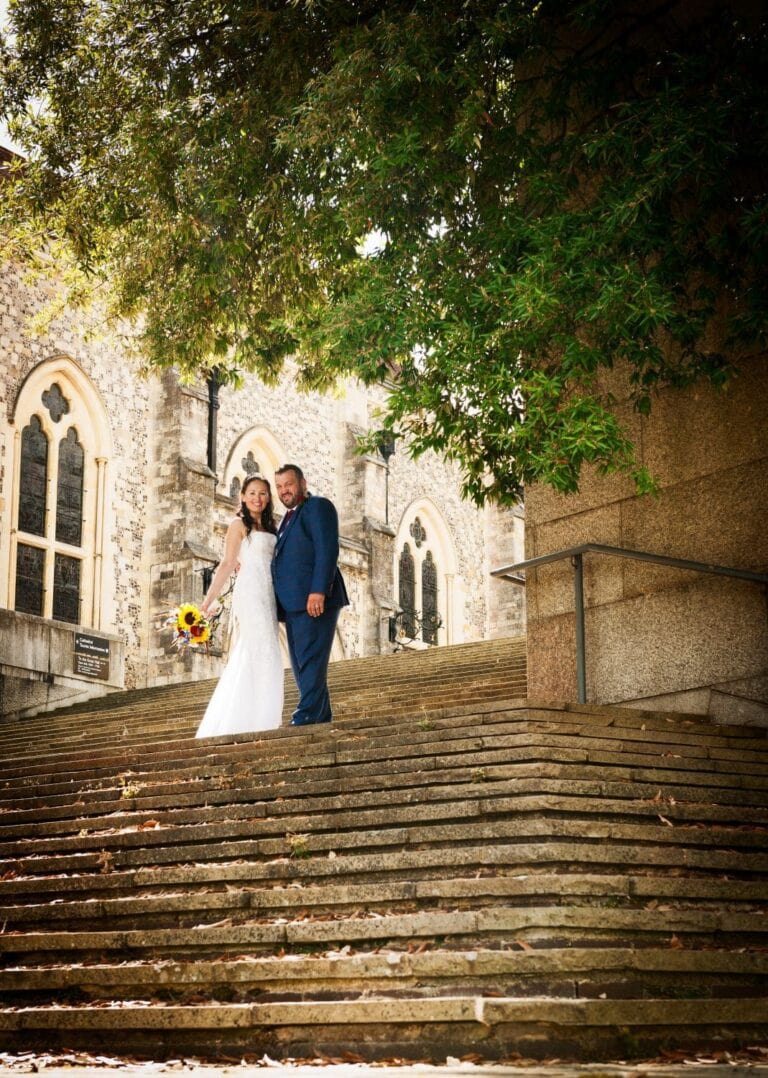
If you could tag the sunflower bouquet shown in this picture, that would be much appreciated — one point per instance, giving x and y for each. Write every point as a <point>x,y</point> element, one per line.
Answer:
<point>190,627</point>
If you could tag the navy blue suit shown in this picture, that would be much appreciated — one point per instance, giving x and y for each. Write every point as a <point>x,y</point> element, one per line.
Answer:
<point>305,561</point>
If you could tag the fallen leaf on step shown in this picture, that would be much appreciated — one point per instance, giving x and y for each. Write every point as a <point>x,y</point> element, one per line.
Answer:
<point>666,821</point>
<point>147,825</point>
<point>676,944</point>
<point>525,946</point>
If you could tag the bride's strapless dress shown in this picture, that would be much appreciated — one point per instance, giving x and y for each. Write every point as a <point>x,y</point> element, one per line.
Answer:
<point>249,695</point>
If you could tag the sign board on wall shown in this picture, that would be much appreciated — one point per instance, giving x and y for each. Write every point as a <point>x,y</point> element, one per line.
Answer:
<point>91,656</point>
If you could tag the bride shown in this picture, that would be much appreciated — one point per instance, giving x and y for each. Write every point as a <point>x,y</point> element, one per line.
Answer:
<point>249,695</point>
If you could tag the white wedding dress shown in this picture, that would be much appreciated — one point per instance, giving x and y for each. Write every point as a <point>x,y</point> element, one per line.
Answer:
<point>249,695</point>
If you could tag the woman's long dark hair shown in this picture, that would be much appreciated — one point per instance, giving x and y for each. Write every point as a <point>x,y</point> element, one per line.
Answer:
<point>267,521</point>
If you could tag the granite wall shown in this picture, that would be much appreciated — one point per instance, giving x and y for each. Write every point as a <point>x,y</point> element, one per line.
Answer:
<point>660,637</point>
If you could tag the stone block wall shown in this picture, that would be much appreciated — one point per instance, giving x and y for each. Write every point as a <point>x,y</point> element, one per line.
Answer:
<point>505,545</point>
<point>123,399</point>
<point>38,669</point>
<point>655,636</point>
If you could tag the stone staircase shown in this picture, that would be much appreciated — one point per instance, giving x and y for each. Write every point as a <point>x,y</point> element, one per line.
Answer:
<point>447,869</point>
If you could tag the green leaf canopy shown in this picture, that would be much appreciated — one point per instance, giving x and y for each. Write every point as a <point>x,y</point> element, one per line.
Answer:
<point>483,205</point>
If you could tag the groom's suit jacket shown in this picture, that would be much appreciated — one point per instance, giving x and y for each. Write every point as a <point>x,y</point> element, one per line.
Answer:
<point>306,557</point>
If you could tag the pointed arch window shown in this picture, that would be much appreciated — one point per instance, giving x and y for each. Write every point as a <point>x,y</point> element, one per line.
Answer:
<point>52,563</point>
<point>430,618</point>
<point>33,478</point>
<point>427,580</point>
<point>418,577</point>
<point>69,490</point>
<point>407,591</point>
<point>56,549</point>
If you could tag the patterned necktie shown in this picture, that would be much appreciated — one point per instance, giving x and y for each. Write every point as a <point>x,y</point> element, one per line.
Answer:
<point>286,518</point>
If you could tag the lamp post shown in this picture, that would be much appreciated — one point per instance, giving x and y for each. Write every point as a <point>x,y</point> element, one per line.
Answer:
<point>213,382</point>
<point>386,444</point>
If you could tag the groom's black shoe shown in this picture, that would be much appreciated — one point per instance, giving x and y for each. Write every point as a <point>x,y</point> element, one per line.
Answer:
<point>308,721</point>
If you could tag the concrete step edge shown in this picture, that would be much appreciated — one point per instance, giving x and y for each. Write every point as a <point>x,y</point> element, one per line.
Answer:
<point>446,1009</point>
<point>529,920</point>
<point>394,965</point>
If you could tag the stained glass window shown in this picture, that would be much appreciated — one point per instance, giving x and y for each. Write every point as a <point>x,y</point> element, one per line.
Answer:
<point>429,612</point>
<point>66,588</point>
<point>32,482</point>
<point>30,563</point>
<point>31,560</point>
<point>69,490</point>
<point>407,591</point>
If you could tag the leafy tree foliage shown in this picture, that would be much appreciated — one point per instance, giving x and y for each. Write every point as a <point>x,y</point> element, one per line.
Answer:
<point>483,204</point>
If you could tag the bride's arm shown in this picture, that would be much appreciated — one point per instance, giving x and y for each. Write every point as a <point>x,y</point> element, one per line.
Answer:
<point>235,536</point>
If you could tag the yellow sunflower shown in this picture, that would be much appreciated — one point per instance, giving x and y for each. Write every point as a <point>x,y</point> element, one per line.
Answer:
<point>187,617</point>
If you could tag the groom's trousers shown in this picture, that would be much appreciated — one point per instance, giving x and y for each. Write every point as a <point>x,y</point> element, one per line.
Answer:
<point>310,641</point>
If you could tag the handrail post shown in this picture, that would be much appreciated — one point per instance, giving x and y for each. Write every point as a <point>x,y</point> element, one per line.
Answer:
<point>581,658</point>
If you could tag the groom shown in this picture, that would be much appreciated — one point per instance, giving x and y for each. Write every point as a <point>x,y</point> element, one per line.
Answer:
<point>309,588</point>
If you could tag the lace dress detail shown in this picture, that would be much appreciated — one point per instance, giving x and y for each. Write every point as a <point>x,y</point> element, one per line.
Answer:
<point>249,695</point>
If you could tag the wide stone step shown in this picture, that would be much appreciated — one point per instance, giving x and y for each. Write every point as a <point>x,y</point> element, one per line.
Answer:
<point>447,868</point>
<point>130,798</point>
<point>632,843</point>
<point>184,908</point>
<point>487,664</point>
<point>136,727</point>
<point>521,731</point>
<point>396,803</point>
<point>430,865</point>
<point>566,973</point>
<point>441,821</point>
<point>544,926</point>
<point>407,1028</point>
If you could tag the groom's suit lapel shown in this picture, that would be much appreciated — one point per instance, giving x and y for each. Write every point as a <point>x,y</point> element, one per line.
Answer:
<point>291,524</point>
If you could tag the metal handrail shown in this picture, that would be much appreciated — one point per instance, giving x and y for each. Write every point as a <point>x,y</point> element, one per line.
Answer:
<point>576,555</point>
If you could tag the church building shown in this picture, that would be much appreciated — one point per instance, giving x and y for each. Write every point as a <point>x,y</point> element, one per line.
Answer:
<point>116,491</point>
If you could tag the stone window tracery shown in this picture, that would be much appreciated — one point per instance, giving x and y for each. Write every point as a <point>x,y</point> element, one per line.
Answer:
<point>55,551</point>
<point>55,401</point>
<point>254,452</point>
<point>418,622</point>
<point>250,466</point>
<point>428,584</point>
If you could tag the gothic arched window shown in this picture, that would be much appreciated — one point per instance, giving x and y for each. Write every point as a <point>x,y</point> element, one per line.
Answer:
<point>43,567</point>
<point>430,617</point>
<point>33,478</point>
<point>69,490</point>
<point>427,580</point>
<point>56,550</point>
<point>407,591</point>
